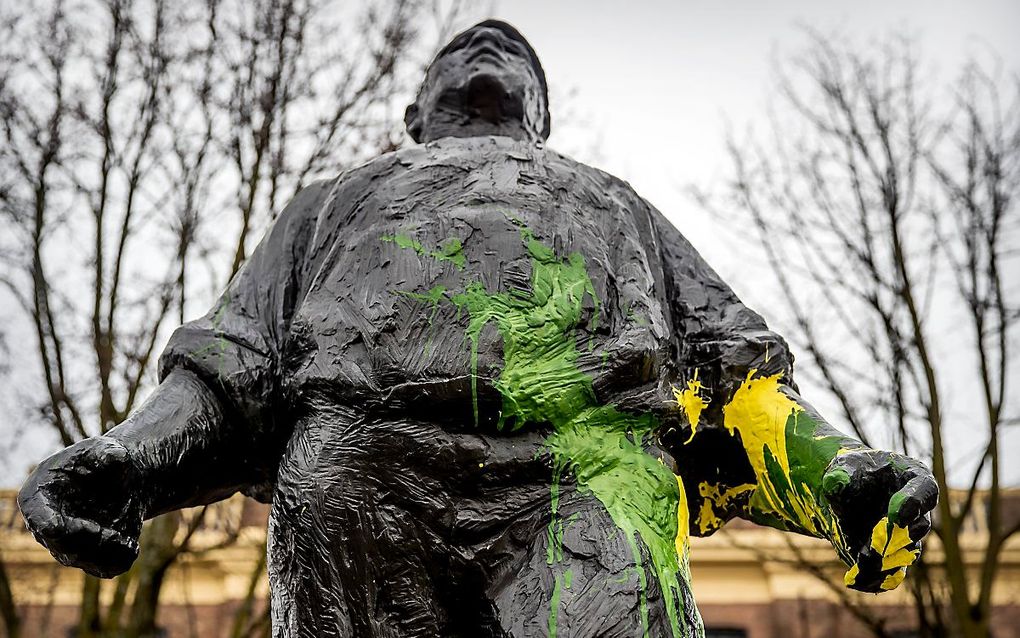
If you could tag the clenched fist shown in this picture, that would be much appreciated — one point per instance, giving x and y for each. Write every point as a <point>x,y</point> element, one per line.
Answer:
<point>882,501</point>
<point>82,504</point>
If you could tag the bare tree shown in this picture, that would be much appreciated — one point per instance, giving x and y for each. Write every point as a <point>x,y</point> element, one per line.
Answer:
<point>887,208</point>
<point>145,144</point>
<point>8,614</point>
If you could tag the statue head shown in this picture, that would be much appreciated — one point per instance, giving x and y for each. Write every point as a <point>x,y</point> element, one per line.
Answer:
<point>486,81</point>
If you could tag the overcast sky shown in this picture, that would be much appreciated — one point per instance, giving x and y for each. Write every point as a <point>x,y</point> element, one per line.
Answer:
<point>654,84</point>
<point>658,80</point>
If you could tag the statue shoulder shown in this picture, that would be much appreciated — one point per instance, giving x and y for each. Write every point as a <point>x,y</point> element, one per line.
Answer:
<point>618,187</point>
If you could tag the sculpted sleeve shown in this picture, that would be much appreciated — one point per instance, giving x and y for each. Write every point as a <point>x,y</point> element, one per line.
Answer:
<point>750,446</point>
<point>716,335</point>
<point>753,447</point>
<point>235,348</point>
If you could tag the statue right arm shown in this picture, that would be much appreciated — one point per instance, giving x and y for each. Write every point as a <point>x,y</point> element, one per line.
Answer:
<point>212,426</point>
<point>86,503</point>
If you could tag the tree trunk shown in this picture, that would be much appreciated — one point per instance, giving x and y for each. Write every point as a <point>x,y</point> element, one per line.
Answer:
<point>9,613</point>
<point>89,625</point>
<point>155,556</point>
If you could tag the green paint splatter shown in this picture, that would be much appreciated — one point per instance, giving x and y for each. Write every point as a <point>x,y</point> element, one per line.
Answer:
<point>540,382</point>
<point>602,447</point>
<point>835,481</point>
<point>555,605</point>
<point>404,241</point>
<point>451,250</point>
<point>433,296</point>
<point>895,503</point>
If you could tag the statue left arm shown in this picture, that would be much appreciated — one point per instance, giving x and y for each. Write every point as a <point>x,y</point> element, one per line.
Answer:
<point>752,447</point>
<point>810,478</point>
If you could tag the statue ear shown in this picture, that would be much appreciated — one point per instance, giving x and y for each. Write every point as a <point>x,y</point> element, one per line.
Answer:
<point>412,122</point>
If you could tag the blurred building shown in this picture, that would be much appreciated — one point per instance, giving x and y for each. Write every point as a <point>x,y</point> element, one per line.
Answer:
<point>750,582</point>
<point>202,593</point>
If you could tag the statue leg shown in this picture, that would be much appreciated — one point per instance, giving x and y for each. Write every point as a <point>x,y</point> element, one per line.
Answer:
<point>586,584</point>
<point>380,529</point>
<point>344,560</point>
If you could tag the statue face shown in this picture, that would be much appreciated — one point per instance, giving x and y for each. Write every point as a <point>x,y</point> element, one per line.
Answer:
<point>483,83</point>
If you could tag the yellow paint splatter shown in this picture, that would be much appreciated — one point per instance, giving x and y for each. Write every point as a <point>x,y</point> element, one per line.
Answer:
<point>893,580</point>
<point>759,411</point>
<point>765,416</point>
<point>891,542</point>
<point>707,520</point>
<point>850,577</point>
<point>682,523</point>
<point>884,542</point>
<point>692,401</point>
<point>715,498</point>
<point>899,558</point>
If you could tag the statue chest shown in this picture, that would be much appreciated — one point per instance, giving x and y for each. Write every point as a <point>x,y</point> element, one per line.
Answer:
<point>477,307</point>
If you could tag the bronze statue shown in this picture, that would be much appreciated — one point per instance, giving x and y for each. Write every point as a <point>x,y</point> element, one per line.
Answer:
<point>489,391</point>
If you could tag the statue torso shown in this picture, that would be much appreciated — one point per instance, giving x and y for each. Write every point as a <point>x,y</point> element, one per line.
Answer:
<point>477,367</point>
<point>410,231</point>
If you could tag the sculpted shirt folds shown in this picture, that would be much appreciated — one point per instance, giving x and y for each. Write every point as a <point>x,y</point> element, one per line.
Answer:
<point>320,311</point>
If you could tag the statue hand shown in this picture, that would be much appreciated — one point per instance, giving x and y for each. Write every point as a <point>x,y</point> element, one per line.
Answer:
<point>81,504</point>
<point>882,501</point>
